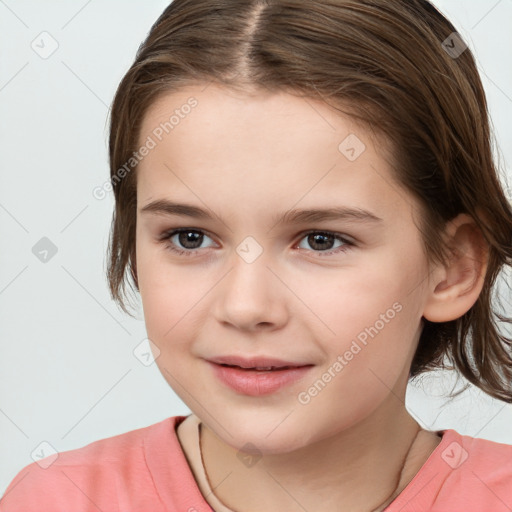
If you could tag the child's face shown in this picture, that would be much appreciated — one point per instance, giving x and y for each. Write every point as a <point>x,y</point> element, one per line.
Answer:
<point>354,314</point>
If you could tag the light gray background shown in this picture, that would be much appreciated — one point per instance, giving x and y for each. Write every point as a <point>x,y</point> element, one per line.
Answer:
<point>68,375</point>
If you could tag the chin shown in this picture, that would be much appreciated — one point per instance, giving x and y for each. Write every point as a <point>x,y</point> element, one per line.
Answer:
<point>261,438</point>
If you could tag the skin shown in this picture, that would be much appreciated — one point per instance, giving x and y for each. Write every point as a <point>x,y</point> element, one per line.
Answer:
<point>246,159</point>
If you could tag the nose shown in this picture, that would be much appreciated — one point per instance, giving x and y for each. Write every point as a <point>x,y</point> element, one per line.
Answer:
<point>252,296</point>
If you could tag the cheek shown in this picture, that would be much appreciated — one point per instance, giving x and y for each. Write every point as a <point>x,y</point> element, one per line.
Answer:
<point>347,300</point>
<point>368,315</point>
<point>172,300</point>
<point>368,357</point>
<point>167,304</point>
<point>160,292</point>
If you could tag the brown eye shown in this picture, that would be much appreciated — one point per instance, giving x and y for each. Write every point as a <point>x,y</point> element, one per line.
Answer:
<point>190,239</point>
<point>323,241</point>
<point>185,241</point>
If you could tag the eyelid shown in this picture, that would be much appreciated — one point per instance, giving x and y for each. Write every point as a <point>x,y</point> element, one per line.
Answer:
<point>173,231</point>
<point>167,233</point>
<point>347,238</point>
<point>169,246</point>
<point>348,241</point>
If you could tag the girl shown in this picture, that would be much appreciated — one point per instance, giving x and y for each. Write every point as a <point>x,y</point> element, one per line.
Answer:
<point>307,203</point>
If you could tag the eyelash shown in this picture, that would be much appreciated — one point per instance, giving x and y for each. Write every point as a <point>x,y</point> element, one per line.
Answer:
<point>191,252</point>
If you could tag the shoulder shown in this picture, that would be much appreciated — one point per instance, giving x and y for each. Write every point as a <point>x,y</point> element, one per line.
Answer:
<point>479,453</point>
<point>479,471</point>
<point>100,472</point>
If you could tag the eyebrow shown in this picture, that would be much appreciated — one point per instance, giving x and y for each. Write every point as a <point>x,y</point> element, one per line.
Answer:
<point>166,207</point>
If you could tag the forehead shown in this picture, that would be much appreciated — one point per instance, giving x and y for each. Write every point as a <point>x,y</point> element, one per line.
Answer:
<point>276,146</point>
<point>220,111</point>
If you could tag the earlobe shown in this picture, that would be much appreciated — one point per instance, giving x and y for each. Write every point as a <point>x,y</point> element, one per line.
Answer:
<point>456,285</point>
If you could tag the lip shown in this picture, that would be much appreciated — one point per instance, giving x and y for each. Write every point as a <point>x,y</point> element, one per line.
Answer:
<point>256,382</point>
<point>255,362</point>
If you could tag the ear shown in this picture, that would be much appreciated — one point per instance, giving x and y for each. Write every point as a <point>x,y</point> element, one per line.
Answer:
<point>455,286</point>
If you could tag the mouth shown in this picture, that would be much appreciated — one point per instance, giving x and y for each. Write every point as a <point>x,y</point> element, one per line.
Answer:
<point>263,368</point>
<point>257,363</point>
<point>258,380</point>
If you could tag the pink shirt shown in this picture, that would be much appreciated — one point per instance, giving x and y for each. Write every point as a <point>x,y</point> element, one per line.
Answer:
<point>146,470</point>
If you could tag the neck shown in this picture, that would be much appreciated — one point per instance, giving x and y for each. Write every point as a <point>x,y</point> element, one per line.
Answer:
<point>362,468</point>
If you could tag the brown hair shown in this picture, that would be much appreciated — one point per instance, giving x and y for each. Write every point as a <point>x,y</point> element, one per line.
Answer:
<point>388,61</point>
